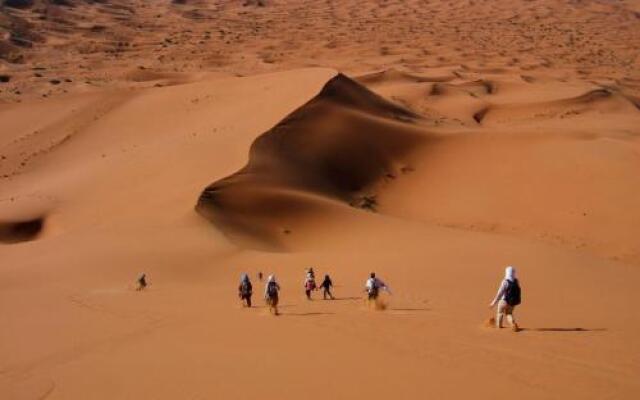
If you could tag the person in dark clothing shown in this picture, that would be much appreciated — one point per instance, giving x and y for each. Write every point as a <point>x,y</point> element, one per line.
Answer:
<point>142,282</point>
<point>326,286</point>
<point>245,290</point>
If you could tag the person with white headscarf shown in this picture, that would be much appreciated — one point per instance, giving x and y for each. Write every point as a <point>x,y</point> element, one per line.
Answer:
<point>309,283</point>
<point>271,294</point>
<point>507,298</point>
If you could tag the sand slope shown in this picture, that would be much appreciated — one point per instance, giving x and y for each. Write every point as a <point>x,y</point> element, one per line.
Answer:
<point>73,319</point>
<point>448,140</point>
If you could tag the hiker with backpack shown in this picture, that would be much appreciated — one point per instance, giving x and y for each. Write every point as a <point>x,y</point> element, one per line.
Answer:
<point>507,298</point>
<point>245,290</point>
<point>373,286</point>
<point>326,286</point>
<point>309,283</point>
<point>271,294</point>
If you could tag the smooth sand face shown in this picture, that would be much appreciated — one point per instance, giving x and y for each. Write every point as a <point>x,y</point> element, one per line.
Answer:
<point>198,141</point>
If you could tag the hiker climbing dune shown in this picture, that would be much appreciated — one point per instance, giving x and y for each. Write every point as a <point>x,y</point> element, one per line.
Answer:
<point>373,286</point>
<point>326,286</point>
<point>245,290</point>
<point>142,282</point>
<point>309,283</point>
<point>271,294</point>
<point>507,298</point>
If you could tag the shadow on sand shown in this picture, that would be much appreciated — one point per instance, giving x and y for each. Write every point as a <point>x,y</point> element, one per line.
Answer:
<point>347,298</point>
<point>562,330</point>
<point>262,306</point>
<point>307,314</point>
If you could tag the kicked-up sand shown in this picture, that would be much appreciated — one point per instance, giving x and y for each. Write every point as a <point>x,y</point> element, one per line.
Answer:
<point>431,142</point>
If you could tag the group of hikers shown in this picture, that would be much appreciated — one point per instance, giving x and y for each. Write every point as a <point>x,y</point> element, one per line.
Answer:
<point>373,286</point>
<point>271,291</point>
<point>507,297</point>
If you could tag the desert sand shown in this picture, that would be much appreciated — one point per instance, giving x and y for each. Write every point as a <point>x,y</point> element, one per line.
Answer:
<point>433,142</point>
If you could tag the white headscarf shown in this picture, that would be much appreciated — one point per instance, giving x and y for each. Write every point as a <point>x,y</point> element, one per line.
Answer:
<point>272,278</point>
<point>510,273</point>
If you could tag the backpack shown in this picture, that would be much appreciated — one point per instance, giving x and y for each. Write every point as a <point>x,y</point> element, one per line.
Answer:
<point>374,289</point>
<point>272,289</point>
<point>512,293</point>
<point>246,288</point>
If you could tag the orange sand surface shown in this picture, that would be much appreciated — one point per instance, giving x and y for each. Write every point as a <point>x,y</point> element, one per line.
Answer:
<point>433,142</point>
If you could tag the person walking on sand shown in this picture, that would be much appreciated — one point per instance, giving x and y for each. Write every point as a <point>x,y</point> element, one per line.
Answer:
<point>245,290</point>
<point>373,286</point>
<point>142,282</point>
<point>507,298</point>
<point>309,283</point>
<point>271,294</point>
<point>326,286</point>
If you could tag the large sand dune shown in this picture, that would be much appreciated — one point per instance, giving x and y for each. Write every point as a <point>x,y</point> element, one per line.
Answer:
<point>433,142</point>
<point>332,149</point>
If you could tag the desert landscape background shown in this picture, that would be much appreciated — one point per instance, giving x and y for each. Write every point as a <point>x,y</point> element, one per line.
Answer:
<point>433,142</point>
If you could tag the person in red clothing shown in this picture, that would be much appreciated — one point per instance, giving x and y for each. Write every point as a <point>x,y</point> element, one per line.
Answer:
<point>310,283</point>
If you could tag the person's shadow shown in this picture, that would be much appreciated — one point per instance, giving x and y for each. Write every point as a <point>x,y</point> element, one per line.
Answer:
<point>563,329</point>
<point>347,298</point>
<point>305,314</point>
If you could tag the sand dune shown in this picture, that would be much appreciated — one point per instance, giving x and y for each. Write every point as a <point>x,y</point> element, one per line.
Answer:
<point>348,145</point>
<point>434,142</point>
<point>339,145</point>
